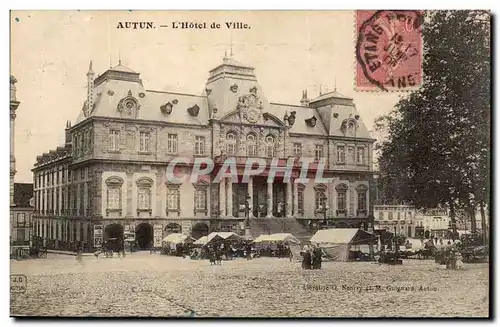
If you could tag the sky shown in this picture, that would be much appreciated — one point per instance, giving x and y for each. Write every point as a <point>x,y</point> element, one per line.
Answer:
<point>290,50</point>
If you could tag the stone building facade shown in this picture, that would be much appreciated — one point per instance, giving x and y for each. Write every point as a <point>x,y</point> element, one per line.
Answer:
<point>396,218</point>
<point>111,176</point>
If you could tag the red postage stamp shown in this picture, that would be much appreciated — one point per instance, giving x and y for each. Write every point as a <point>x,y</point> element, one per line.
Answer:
<point>388,50</point>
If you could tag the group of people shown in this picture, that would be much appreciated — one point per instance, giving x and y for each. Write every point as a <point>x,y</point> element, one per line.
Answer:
<point>312,257</point>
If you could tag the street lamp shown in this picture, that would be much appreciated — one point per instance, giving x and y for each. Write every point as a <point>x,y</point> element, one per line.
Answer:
<point>247,215</point>
<point>325,211</point>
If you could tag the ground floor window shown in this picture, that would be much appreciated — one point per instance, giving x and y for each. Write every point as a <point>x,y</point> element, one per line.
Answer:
<point>21,235</point>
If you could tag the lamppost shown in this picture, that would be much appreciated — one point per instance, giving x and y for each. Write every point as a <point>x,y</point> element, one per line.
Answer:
<point>325,211</point>
<point>247,216</point>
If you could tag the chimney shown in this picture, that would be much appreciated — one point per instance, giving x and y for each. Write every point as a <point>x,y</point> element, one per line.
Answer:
<point>67,133</point>
<point>304,101</point>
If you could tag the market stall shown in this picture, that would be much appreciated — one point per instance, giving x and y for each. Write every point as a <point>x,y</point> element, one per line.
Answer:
<point>175,243</point>
<point>343,244</point>
<point>273,244</point>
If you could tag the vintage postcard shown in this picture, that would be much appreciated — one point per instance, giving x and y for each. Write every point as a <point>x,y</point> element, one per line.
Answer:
<point>250,164</point>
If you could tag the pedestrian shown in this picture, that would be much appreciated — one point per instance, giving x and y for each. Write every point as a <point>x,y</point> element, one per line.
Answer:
<point>317,255</point>
<point>307,259</point>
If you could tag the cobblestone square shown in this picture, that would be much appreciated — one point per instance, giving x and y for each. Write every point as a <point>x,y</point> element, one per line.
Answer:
<point>162,286</point>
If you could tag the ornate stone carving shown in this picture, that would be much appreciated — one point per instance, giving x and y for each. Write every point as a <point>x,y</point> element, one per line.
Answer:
<point>129,105</point>
<point>250,106</point>
<point>142,95</point>
<point>111,93</point>
<point>234,88</point>
<point>208,91</point>
<point>175,101</point>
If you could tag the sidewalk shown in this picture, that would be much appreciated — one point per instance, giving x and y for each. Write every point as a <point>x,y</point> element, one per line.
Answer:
<point>69,253</point>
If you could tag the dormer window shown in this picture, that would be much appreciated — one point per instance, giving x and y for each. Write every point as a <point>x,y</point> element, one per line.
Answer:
<point>194,110</point>
<point>311,121</point>
<point>166,109</point>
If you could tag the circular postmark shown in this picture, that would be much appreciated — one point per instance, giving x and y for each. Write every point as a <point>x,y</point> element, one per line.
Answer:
<point>389,49</point>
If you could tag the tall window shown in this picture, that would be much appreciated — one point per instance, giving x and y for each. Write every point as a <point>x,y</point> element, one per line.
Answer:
<point>231,144</point>
<point>173,198</point>
<point>144,198</point>
<point>318,152</point>
<point>21,219</point>
<point>297,150</point>
<point>270,146</point>
<point>361,156</point>
<point>251,145</point>
<point>381,215</point>
<point>341,198</point>
<point>351,155</point>
<point>144,185</point>
<point>320,197</point>
<point>199,145</point>
<point>340,154</point>
<point>300,198</point>
<point>172,143</point>
<point>200,198</point>
<point>114,140</point>
<point>390,215</point>
<point>362,189</point>
<point>144,140</point>
<point>114,193</point>
<point>114,197</point>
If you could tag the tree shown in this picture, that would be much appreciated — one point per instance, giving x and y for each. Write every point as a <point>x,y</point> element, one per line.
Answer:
<point>438,147</point>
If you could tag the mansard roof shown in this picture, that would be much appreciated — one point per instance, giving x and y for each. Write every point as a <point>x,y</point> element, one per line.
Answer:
<point>52,156</point>
<point>326,115</point>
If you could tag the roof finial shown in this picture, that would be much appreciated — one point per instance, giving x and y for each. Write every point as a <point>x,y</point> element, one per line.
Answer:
<point>335,89</point>
<point>320,90</point>
<point>231,45</point>
<point>119,57</point>
<point>90,72</point>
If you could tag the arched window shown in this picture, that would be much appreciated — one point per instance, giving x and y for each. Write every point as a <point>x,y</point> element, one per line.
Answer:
<point>341,198</point>
<point>251,145</point>
<point>173,198</point>
<point>362,206</point>
<point>114,194</point>
<point>320,197</point>
<point>270,146</point>
<point>144,185</point>
<point>300,198</point>
<point>231,144</point>
<point>200,197</point>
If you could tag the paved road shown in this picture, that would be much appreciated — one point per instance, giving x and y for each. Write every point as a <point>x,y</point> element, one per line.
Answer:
<point>153,285</point>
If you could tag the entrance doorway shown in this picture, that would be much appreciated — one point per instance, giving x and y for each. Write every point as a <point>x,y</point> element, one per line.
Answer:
<point>144,236</point>
<point>113,231</point>
<point>279,201</point>
<point>199,230</point>
<point>259,205</point>
<point>113,237</point>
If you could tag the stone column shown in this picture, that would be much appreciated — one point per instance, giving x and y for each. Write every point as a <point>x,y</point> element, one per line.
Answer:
<point>229,197</point>
<point>296,200</point>
<point>222,197</point>
<point>250,193</point>
<point>350,200</point>
<point>288,204</point>
<point>269,200</point>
